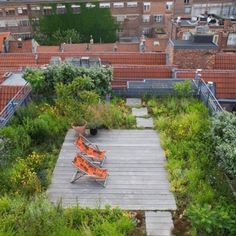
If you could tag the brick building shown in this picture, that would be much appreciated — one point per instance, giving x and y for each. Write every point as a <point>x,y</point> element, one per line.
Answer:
<point>136,17</point>
<point>191,8</point>
<point>219,16</point>
<point>224,34</point>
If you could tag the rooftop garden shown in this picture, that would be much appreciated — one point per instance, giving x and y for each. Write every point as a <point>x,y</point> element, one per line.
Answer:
<point>200,153</point>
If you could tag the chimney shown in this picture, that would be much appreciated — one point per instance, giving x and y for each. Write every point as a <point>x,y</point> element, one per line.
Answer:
<point>227,23</point>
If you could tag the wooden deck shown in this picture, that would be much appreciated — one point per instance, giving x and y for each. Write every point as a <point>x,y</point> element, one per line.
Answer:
<point>137,177</point>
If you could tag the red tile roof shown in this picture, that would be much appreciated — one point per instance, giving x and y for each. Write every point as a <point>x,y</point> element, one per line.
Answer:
<point>108,47</point>
<point>160,47</point>
<point>225,61</point>
<point>7,93</point>
<point>26,46</point>
<point>225,80</point>
<point>112,57</point>
<point>133,65</point>
<point>47,49</point>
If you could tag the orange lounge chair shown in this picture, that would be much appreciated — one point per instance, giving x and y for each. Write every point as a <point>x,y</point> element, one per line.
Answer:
<point>86,168</point>
<point>90,150</point>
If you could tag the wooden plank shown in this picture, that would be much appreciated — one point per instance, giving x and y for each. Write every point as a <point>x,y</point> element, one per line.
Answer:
<point>137,175</point>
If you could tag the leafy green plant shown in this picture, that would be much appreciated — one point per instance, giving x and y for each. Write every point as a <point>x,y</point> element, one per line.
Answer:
<point>94,78</point>
<point>23,176</point>
<point>184,89</point>
<point>208,220</point>
<point>224,136</point>
<point>195,178</point>
<point>36,78</point>
<point>36,216</point>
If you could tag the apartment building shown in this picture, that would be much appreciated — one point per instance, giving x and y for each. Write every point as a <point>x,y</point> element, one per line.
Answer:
<point>136,17</point>
<point>192,8</point>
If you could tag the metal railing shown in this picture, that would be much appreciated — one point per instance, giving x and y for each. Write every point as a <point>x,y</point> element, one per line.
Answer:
<point>18,100</point>
<point>206,95</point>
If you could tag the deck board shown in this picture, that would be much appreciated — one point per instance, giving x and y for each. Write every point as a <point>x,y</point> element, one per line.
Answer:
<point>137,176</point>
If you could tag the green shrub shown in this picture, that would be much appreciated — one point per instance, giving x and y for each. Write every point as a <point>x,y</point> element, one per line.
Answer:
<point>45,128</point>
<point>36,78</point>
<point>36,216</point>
<point>224,136</point>
<point>31,111</point>
<point>184,89</point>
<point>207,220</point>
<point>194,175</point>
<point>100,78</point>
<point>16,139</point>
<point>24,174</point>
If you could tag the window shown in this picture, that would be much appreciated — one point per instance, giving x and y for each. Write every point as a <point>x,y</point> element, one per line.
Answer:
<point>132,4</point>
<point>118,4</point>
<point>75,8</point>
<point>90,5</point>
<point>10,12</point>
<point>187,10</point>
<point>146,6</point>
<point>1,12</point>
<point>186,35</point>
<point>158,18</point>
<point>215,39</point>
<point>169,6</point>
<point>120,18</point>
<point>35,21</point>
<point>147,31</point>
<point>22,10</point>
<point>186,1</point>
<point>146,18</point>
<point>11,23</point>
<point>23,23</point>
<point>19,44</point>
<point>61,9</point>
<point>105,5</point>
<point>231,39</point>
<point>35,8</point>
<point>47,10</point>
<point>2,23</point>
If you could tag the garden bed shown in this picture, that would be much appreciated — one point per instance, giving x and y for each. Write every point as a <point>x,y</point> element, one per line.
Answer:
<point>206,205</point>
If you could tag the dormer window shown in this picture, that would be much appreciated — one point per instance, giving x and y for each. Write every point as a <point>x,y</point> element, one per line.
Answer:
<point>231,39</point>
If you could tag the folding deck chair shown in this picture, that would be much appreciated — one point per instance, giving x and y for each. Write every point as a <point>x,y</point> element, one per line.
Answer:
<point>90,151</point>
<point>86,168</point>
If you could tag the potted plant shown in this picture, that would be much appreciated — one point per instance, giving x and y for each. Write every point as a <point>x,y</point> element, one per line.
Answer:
<point>94,118</point>
<point>79,126</point>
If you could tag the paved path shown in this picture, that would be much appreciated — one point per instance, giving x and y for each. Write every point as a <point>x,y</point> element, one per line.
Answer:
<point>158,223</point>
<point>143,120</point>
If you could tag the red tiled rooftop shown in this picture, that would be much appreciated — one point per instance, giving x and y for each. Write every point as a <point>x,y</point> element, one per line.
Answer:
<point>108,47</point>
<point>26,46</point>
<point>225,80</point>
<point>225,61</point>
<point>47,49</point>
<point>151,47</point>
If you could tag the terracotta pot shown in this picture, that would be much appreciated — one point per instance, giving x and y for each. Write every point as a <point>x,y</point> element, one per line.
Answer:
<point>80,130</point>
